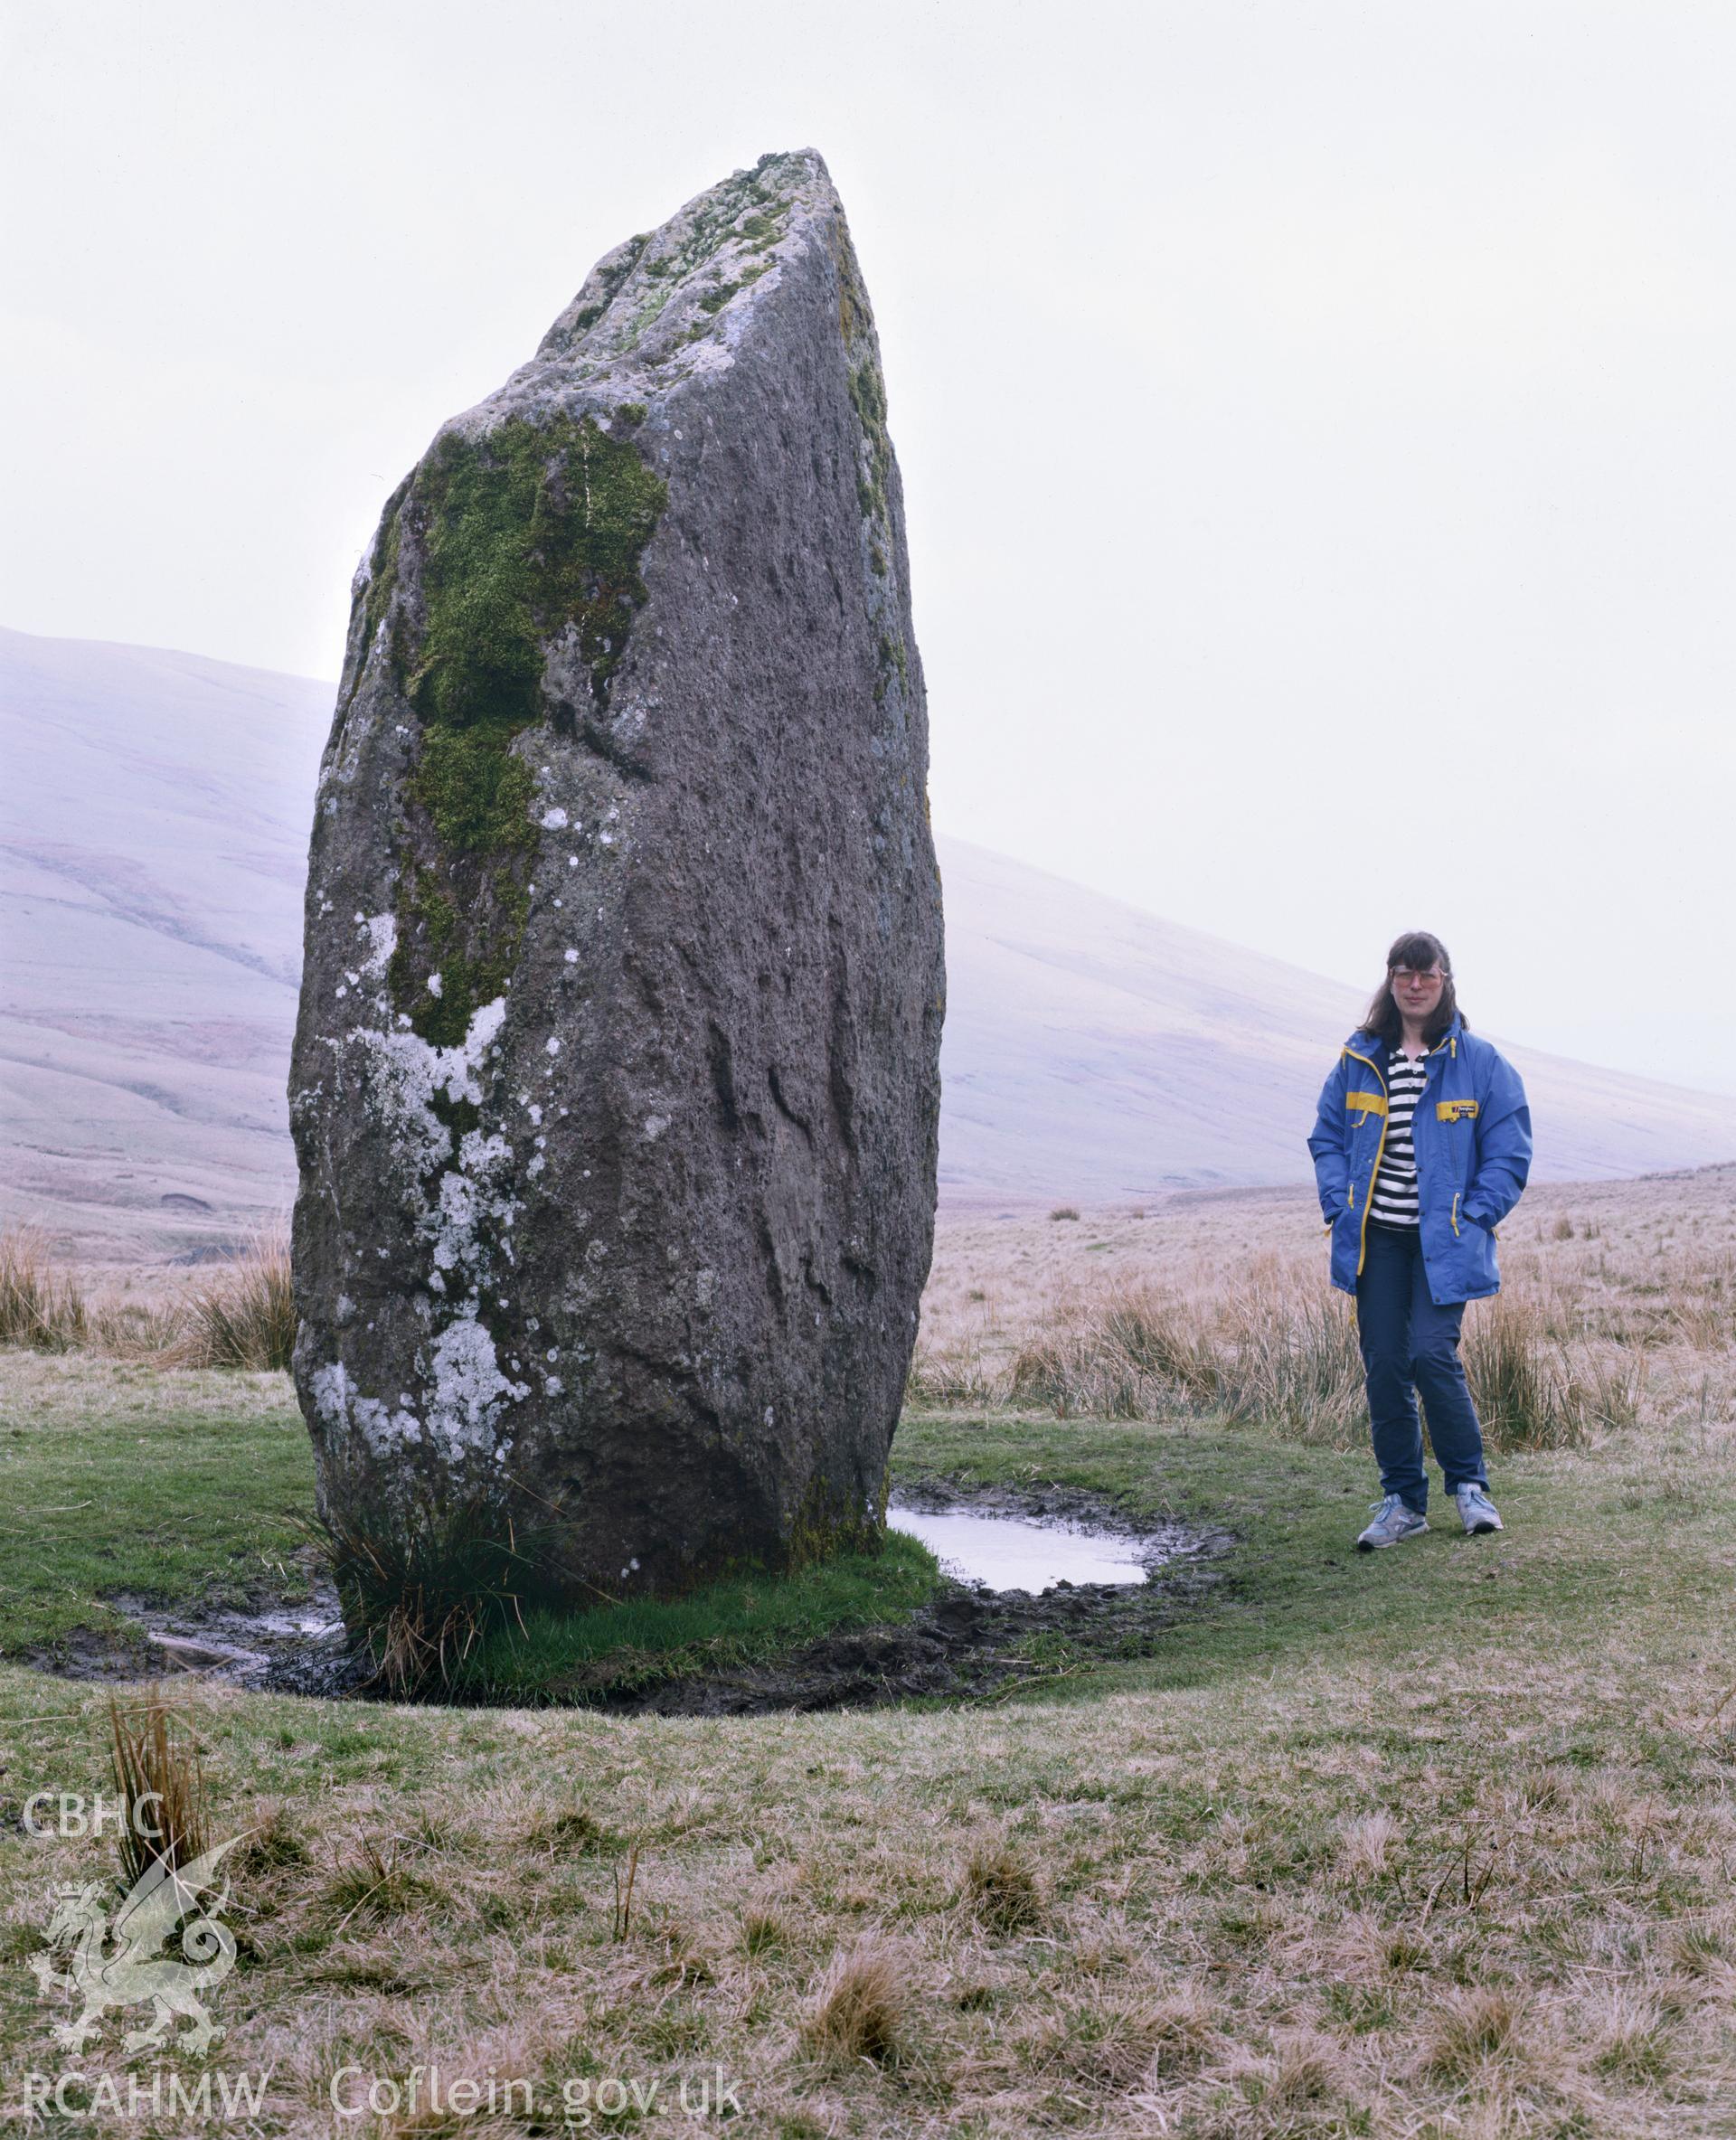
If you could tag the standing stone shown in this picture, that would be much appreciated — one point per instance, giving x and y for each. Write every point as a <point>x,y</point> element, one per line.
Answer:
<point>616,1084</point>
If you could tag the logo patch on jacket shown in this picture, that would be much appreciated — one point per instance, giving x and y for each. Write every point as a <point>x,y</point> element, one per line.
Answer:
<point>1455,1111</point>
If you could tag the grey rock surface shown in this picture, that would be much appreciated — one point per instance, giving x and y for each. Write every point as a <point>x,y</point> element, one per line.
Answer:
<point>615,1091</point>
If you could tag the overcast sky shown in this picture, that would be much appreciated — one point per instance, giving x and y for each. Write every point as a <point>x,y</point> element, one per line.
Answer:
<point>1316,421</point>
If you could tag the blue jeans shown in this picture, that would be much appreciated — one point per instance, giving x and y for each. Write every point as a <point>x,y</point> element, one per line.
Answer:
<point>1410,1345</point>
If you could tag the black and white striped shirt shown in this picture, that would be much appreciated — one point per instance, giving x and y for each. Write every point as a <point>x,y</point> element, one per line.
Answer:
<point>1393,1201</point>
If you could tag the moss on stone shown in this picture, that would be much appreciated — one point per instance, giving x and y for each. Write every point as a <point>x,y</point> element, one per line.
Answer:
<point>526,533</point>
<point>477,794</point>
<point>374,598</point>
<point>525,530</point>
<point>827,1525</point>
<point>474,959</point>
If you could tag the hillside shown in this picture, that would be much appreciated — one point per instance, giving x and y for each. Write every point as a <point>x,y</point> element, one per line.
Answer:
<point>153,834</point>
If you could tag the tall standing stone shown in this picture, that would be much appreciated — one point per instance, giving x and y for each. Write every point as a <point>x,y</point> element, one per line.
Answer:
<point>616,1082</point>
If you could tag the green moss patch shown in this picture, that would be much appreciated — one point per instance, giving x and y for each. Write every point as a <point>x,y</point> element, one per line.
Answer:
<point>526,533</point>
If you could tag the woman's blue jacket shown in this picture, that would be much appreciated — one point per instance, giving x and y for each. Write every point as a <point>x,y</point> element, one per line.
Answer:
<point>1472,1137</point>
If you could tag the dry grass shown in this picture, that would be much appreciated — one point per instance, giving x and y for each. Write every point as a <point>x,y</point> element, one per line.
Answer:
<point>1000,1888</point>
<point>858,2012</point>
<point>40,1307</point>
<point>155,1761</point>
<point>1617,1315</point>
<point>247,1318</point>
<point>244,1317</point>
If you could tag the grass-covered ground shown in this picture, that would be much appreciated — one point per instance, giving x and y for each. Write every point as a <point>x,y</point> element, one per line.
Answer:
<point>1436,1841</point>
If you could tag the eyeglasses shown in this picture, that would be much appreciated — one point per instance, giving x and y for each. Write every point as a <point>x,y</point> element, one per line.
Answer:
<point>1406,972</point>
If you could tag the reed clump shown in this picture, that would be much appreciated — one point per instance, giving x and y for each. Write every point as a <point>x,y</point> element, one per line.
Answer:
<point>160,1783</point>
<point>38,1307</point>
<point>246,1317</point>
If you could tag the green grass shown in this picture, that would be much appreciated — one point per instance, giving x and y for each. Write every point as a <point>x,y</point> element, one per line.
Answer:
<point>555,1657</point>
<point>141,1492</point>
<point>187,1505</point>
<point>1588,1546</point>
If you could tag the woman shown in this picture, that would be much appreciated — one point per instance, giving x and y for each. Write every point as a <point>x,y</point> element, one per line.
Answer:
<point>1421,1149</point>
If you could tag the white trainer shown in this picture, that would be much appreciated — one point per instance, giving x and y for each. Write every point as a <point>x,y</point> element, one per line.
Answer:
<point>1393,1520</point>
<point>1477,1511</point>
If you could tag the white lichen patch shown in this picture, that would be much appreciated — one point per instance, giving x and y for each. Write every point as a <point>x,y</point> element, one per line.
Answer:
<point>382,933</point>
<point>346,1411</point>
<point>406,1073</point>
<point>467,1390</point>
<point>474,1198</point>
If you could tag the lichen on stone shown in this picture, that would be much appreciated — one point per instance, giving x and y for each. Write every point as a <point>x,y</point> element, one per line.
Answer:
<point>726,230</point>
<point>867,388</point>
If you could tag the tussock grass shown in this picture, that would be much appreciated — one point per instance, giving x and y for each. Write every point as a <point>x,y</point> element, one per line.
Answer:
<point>1474,2025</point>
<point>858,2012</point>
<point>1001,1888</point>
<point>245,1318</point>
<point>1284,1357</point>
<point>155,1762</point>
<point>274,1841</point>
<point>38,1307</point>
<point>763,1931</point>
<point>1279,1350</point>
<point>379,1878</point>
<point>428,1582</point>
<point>242,1317</point>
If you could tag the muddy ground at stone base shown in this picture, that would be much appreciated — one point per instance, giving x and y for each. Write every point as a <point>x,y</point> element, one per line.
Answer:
<point>968,1642</point>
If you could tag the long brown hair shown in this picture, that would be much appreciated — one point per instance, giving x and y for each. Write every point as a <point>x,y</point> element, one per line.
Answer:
<point>1417,949</point>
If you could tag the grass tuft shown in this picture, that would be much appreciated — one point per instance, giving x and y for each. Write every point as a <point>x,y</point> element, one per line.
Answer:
<point>763,1931</point>
<point>246,1318</point>
<point>378,1881</point>
<point>1001,1888</point>
<point>1474,2025</point>
<point>1523,1398</point>
<point>858,2012</point>
<point>427,1586</point>
<point>37,1308</point>
<point>161,1785</point>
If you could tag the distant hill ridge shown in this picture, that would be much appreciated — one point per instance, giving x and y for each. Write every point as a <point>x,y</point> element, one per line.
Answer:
<point>153,842</point>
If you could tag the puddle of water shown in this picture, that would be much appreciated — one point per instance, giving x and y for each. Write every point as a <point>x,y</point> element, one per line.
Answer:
<point>1014,1553</point>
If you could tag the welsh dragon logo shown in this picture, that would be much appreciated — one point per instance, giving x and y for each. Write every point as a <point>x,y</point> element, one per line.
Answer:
<point>123,1965</point>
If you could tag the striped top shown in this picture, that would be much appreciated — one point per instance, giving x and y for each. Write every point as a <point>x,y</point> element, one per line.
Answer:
<point>1393,1201</point>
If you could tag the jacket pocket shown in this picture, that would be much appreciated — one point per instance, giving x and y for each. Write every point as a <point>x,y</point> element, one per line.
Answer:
<point>1476,1249</point>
